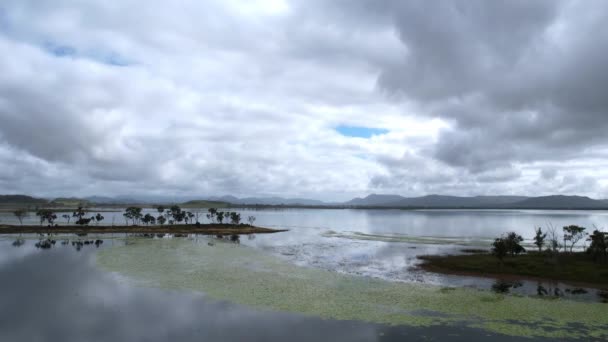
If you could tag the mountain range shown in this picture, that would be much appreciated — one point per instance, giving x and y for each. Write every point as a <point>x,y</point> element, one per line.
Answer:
<point>371,201</point>
<point>266,201</point>
<point>496,202</point>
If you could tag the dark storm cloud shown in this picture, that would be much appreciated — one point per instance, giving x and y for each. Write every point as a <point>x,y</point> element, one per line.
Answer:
<point>521,80</point>
<point>457,48</point>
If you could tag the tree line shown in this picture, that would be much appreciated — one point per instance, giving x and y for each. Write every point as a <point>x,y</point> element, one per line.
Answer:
<point>134,215</point>
<point>49,216</point>
<point>509,244</point>
<point>176,215</point>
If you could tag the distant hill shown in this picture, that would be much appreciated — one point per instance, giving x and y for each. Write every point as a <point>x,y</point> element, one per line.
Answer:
<point>204,204</point>
<point>267,201</point>
<point>561,202</point>
<point>494,202</point>
<point>24,200</point>
<point>459,202</point>
<point>431,201</point>
<point>112,200</point>
<point>228,199</point>
<point>68,202</point>
<point>371,201</point>
<point>375,200</point>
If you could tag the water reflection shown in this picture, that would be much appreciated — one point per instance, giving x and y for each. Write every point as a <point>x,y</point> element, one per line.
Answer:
<point>58,295</point>
<point>549,290</point>
<point>309,244</point>
<point>603,296</point>
<point>505,286</point>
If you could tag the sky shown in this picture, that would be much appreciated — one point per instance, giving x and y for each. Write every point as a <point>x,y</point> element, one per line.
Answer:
<point>303,98</point>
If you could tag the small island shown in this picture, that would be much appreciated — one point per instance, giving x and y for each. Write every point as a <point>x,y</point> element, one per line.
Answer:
<point>172,220</point>
<point>554,259</point>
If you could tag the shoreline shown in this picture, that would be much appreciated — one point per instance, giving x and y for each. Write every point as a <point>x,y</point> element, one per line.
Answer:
<point>203,229</point>
<point>457,265</point>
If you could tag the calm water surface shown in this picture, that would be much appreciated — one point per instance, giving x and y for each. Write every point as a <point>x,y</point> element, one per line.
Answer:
<point>60,295</point>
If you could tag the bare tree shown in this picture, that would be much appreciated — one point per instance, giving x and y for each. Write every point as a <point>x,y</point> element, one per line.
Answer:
<point>539,239</point>
<point>20,214</point>
<point>554,239</point>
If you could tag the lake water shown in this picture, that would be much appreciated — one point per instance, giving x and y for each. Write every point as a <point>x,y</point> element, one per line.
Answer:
<point>64,295</point>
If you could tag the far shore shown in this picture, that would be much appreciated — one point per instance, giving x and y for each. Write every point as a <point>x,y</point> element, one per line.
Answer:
<point>202,229</point>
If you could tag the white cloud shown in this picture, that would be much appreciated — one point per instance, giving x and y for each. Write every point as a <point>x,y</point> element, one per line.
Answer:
<point>238,97</point>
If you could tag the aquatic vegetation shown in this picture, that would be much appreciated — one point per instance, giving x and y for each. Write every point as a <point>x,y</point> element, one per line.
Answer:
<point>250,277</point>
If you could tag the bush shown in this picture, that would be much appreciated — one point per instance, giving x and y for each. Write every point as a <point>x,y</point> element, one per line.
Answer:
<point>599,246</point>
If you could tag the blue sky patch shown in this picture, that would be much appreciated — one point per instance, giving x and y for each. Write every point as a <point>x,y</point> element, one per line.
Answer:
<point>60,50</point>
<point>360,132</point>
<point>4,25</point>
<point>109,58</point>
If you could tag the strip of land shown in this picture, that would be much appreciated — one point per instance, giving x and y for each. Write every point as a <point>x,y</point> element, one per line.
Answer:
<point>573,268</point>
<point>202,229</point>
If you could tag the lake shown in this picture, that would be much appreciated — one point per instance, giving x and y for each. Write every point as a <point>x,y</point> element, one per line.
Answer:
<point>336,275</point>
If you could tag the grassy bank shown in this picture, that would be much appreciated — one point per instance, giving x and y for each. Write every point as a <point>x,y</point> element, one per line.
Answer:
<point>567,267</point>
<point>203,229</point>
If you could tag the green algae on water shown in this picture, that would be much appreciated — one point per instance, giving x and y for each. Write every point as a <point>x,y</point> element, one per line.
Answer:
<point>251,277</point>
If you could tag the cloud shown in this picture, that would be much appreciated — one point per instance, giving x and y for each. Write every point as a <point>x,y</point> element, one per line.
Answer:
<point>244,97</point>
<point>519,80</point>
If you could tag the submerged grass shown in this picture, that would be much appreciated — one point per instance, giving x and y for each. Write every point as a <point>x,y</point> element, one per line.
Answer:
<point>250,277</point>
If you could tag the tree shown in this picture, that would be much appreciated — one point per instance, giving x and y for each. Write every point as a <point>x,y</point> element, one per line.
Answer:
<point>134,214</point>
<point>168,216</point>
<point>148,219</point>
<point>67,217</point>
<point>513,243</point>
<point>20,214</point>
<point>177,213</point>
<point>197,214</point>
<point>161,219</point>
<point>235,218</point>
<point>554,244</point>
<point>160,209</point>
<point>573,234</point>
<point>220,216</point>
<point>500,248</point>
<point>211,214</point>
<point>79,214</point>
<point>46,215</point>
<point>251,220</point>
<point>99,218</point>
<point>84,221</point>
<point>190,216</point>
<point>539,239</point>
<point>599,246</point>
